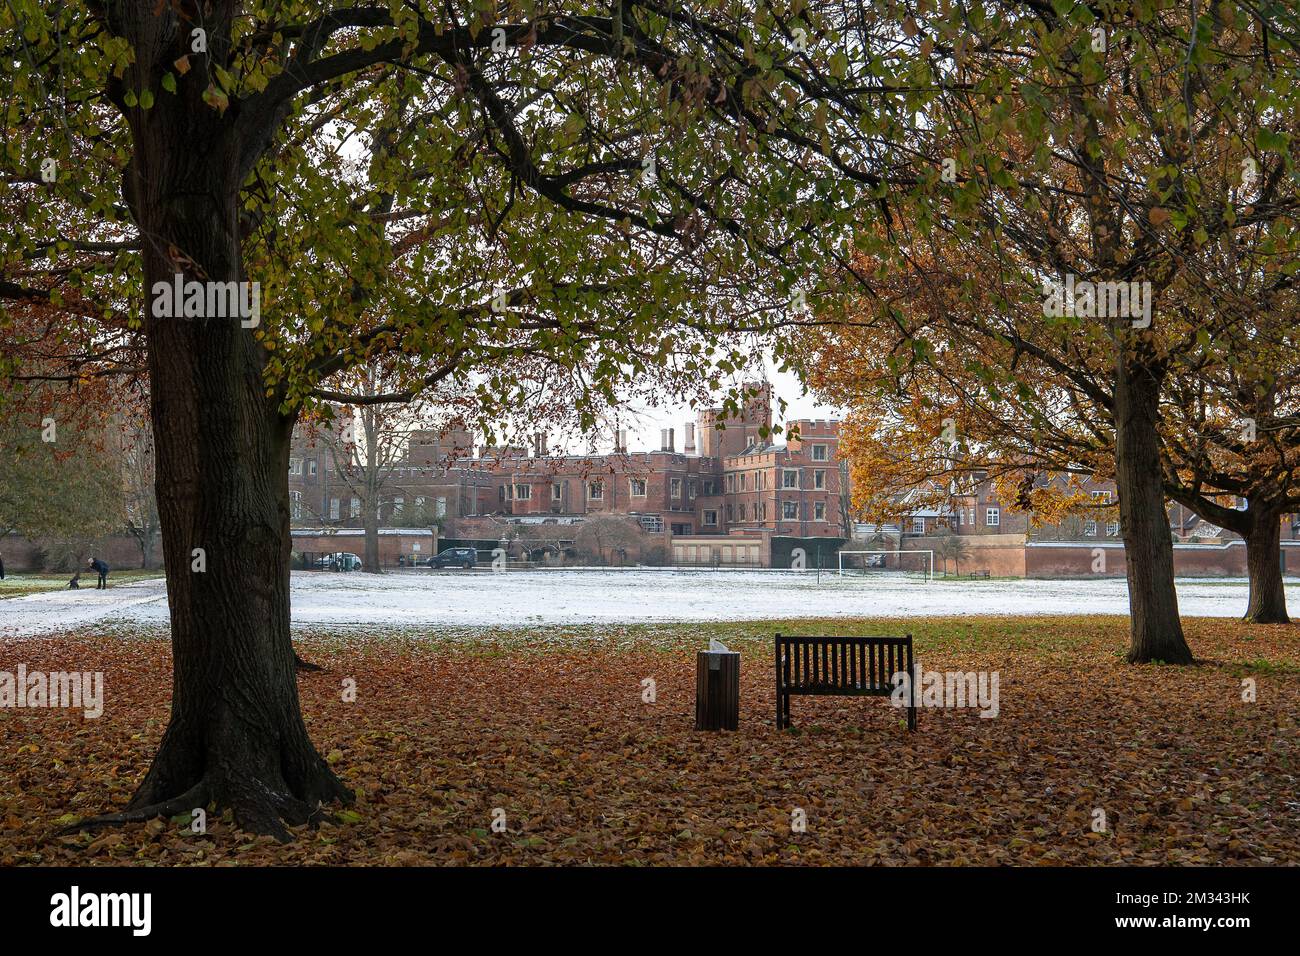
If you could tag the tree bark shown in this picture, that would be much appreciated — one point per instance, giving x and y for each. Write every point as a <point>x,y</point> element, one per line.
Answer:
<point>1156,633</point>
<point>236,737</point>
<point>1267,603</point>
<point>370,559</point>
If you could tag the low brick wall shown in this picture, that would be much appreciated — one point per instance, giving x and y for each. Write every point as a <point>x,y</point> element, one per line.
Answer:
<point>1002,555</point>
<point>413,543</point>
<point>1076,560</point>
<point>122,552</point>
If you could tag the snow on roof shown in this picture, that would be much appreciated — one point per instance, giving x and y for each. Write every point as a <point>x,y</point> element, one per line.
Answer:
<point>357,532</point>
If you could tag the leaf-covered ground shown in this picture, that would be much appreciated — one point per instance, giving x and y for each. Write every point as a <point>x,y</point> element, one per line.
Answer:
<point>549,726</point>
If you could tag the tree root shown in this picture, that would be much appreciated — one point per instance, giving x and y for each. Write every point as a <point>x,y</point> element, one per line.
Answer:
<point>256,807</point>
<point>302,665</point>
<point>196,796</point>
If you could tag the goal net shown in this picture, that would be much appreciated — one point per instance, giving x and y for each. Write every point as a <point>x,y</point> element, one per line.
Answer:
<point>895,564</point>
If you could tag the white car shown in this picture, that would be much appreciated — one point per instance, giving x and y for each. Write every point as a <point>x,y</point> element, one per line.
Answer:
<point>339,561</point>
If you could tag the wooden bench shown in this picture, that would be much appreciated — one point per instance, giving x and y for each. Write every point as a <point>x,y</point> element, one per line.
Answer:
<point>841,667</point>
<point>978,574</point>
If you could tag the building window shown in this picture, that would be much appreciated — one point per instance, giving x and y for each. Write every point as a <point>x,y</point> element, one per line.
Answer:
<point>523,492</point>
<point>918,526</point>
<point>764,510</point>
<point>652,523</point>
<point>678,528</point>
<point>440,507</point>
<point>637,487</point>
<point>1101,497</point>
<point>501,493</point>
<point>334,509</point>
<point>693,488</point>
<point>819,511</point>
<point>742,511</point>
<point>1112,529</point>
<point>731,483</point>
<point>311,468</point>
<point>819,453</point>
<point>790,509</point>
<point>790,478</point>
<point>993,517</point>
<point>711,518</point>
<point>399,505</point>
<point>675,487</point>
<point>295,466</point>
<point>731,511</point>
<point>354,508</point>
<point>819,479</point>
<point>295,504</point>
<point>744,480</point>
<point>1090,529</point>
<point>557,492</point>
<point>596,490</point>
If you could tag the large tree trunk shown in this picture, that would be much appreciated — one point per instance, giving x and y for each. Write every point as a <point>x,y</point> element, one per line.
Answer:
<point>236,736</point>
<point>1156,633</point>
<point>370,560</point>
<point>1267,604</point>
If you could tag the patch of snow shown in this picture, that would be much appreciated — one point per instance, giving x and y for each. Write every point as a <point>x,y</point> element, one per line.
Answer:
<point>520,599</point>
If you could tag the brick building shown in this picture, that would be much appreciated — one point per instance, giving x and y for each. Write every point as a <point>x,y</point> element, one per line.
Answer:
<point>1005,541</point>
<point>737,482</point>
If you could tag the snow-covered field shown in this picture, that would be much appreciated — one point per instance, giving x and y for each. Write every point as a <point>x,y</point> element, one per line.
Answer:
<point>516,599</point>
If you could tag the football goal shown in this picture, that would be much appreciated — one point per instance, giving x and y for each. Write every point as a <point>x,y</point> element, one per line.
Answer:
<point>887,563</point>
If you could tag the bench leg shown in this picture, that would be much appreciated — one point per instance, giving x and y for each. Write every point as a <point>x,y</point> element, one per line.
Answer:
<point>911,718</point>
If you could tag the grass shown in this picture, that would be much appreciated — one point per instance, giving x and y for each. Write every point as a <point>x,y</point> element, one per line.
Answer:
<point>22,583</point>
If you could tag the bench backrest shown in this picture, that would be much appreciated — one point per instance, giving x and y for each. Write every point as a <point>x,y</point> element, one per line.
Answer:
<point>854,665</point>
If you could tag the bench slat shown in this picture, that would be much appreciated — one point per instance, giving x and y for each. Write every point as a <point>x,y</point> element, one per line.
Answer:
<point>825,665</point>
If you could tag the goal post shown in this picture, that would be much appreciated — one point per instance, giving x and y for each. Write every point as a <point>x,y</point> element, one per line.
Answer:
<point>869,562</point>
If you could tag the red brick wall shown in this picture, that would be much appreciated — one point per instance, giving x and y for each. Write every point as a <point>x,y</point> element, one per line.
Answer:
<point>122,552</point>
<point>1054,561</point>
<point>390,545</point>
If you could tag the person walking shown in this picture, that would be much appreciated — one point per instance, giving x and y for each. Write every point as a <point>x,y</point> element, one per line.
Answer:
<point>2,567</point>
<point>100,568</point>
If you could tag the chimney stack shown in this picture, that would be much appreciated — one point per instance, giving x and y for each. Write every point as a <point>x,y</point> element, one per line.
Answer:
<point>689,447</point>
<point>672,440</point>
<point>620,441</point>
<point>663,439</point>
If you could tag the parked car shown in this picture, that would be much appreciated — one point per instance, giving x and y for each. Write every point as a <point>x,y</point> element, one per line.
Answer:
<point>339,561</point>
<point>464,557</point>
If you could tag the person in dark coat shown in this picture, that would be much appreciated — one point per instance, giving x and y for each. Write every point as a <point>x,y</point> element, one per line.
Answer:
<point>100,568</point>
<point>2,567</point>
